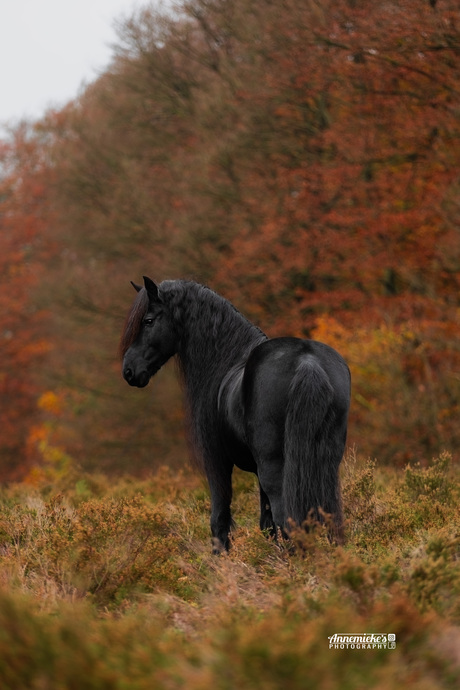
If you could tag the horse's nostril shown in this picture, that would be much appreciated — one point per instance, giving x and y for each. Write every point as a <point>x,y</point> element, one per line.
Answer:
<point>128,374</point>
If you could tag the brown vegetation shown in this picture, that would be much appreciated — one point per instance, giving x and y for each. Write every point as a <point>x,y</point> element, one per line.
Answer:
<point>113,585</point>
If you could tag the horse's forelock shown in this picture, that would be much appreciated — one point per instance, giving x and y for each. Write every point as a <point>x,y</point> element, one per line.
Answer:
<point>133,321</point>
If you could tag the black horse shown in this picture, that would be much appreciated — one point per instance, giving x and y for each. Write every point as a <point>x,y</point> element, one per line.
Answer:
<point>276,407</point>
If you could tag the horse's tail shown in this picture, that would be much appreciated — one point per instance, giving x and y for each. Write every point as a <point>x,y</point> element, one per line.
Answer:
<point>312,449</point>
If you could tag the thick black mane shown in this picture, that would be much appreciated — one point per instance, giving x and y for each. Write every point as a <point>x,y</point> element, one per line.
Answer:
<point>215,336</point>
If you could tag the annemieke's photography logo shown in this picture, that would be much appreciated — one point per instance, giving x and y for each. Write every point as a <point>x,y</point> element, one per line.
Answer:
<point>362,641</point>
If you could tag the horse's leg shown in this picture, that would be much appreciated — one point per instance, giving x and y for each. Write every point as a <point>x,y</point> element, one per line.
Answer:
<point>270,472</point>
<point>266,445</point>
<point>221,517</point>
<point>266,517</point>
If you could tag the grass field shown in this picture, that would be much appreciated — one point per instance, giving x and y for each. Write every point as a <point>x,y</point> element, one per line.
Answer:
<point>111,584</point>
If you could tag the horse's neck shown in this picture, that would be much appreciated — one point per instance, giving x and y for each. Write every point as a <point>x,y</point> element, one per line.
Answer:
<point>214,344</point>
<point>214,337</point>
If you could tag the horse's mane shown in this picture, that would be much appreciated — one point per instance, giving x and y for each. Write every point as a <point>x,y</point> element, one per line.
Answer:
<point>215,336</point>
<point>133,321</point>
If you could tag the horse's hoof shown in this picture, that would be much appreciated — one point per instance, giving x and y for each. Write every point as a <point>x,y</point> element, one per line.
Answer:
<point>218,547</point>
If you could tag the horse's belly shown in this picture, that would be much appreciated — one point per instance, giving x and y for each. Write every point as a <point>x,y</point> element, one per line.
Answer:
<point>246,463</point>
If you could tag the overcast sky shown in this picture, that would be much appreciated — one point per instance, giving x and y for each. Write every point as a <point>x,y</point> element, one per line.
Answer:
<point>49,48</point>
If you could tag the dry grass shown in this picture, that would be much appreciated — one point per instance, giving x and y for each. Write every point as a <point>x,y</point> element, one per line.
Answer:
<point>113,586</point>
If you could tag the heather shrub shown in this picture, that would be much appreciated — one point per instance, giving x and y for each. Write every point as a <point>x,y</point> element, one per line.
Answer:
<point>112,585</point>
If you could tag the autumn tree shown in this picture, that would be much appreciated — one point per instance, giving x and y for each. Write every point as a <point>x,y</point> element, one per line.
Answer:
<point>301,158</point>
<point>23,326</point>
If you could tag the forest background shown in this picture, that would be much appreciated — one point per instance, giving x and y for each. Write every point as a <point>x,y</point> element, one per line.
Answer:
<point>302,159</point>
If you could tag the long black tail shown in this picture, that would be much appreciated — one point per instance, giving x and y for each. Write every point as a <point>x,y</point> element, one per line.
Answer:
<point>312,448</point>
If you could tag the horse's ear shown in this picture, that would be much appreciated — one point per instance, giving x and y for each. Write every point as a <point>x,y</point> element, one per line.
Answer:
<point>152,289</point>
<point>138,288</point>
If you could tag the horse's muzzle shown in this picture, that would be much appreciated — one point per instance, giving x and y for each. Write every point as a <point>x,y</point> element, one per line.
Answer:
<point>140,380</point>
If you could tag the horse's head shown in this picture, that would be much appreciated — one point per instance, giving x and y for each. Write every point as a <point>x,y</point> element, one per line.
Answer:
<point>149,338</point>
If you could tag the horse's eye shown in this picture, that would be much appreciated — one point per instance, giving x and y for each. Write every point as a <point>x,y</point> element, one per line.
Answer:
<point>148,322</point>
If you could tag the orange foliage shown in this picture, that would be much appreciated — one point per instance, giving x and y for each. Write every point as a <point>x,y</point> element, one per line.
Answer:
<point>22,323</point>
<point>300,158</point>
<point>353,214</point>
